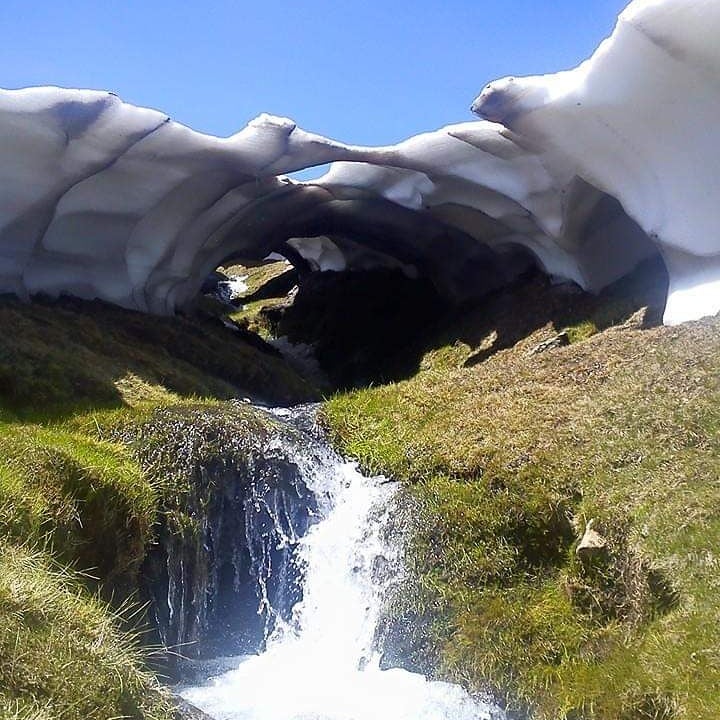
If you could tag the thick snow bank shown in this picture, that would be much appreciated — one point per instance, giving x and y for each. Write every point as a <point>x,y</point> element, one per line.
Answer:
<point>591,170</point>
<point>638,121</point>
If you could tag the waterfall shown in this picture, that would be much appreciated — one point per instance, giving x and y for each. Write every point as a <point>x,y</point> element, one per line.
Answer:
<point>320,663</point>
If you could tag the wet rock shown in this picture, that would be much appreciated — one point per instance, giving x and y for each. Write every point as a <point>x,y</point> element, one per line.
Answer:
<point>224,565</point>
<point>187,711</point>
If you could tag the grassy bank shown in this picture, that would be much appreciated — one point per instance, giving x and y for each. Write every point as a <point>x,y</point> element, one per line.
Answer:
<point>79,501</point>
<point>507,455</point>
<point>564,504</point>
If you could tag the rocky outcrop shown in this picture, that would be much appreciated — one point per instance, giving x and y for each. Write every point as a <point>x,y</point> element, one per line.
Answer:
<point>223,568</point>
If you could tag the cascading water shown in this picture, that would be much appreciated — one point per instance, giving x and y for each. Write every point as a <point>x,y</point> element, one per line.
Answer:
<point>321,665</point>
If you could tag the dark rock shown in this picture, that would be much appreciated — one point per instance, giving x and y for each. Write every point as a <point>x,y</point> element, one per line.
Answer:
<point>275,287</point>
<point>224,566</point>
<point>212,281</point>
<point>365,326</point>
<point>560,340</point>
<point>405,642</point>
<point>187,711</point>
<point>251,338</point>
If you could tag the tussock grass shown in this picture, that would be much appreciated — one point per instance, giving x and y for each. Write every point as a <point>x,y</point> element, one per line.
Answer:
<point>61,653</point>
<point>67,490</point>
<point>507,456</point>
<point>80,385</point>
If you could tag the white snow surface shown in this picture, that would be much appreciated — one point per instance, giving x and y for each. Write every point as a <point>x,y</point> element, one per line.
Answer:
<point>636,121</point>
<point>591,170</point>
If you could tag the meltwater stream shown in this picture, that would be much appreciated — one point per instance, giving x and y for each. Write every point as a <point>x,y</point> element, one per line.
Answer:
<point>321,665</point>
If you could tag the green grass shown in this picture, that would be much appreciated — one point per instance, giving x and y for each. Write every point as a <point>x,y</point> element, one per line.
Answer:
<point>252,316</point>
<point>98,407</point>
<point>61,653</point>
<point>62,358</point>
<point>258,275</point>
<point>506,458</point>
<point>67,490</point>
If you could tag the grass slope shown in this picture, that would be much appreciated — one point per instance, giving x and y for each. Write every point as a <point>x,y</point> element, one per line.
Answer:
<point>79,381</point>
<point>507,456</point>
<point>61,652</point>
<point>251,315</point>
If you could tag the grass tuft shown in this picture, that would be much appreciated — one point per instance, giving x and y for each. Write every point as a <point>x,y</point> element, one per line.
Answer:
<point>61,653</point>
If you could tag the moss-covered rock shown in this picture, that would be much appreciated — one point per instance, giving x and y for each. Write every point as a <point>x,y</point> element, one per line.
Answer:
<point>233,503</point>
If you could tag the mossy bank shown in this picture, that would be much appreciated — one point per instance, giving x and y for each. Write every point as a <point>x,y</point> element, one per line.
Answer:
<point>566,502</point>
<point>88,395</point>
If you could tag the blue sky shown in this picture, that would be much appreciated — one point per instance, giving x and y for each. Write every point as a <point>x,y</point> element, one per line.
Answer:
<point>368,71</point>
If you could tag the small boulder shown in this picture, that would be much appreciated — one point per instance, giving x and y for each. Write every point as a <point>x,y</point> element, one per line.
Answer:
<point>560,340</point>
<point>592,542</point>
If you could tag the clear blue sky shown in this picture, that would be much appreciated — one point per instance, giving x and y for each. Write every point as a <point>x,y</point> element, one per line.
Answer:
<point>366,71</point>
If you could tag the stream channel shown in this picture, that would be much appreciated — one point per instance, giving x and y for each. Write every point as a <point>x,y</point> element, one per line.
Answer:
<point>319,660</point>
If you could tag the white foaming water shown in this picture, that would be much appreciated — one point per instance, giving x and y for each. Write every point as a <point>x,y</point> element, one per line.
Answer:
<point>321,666</point>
